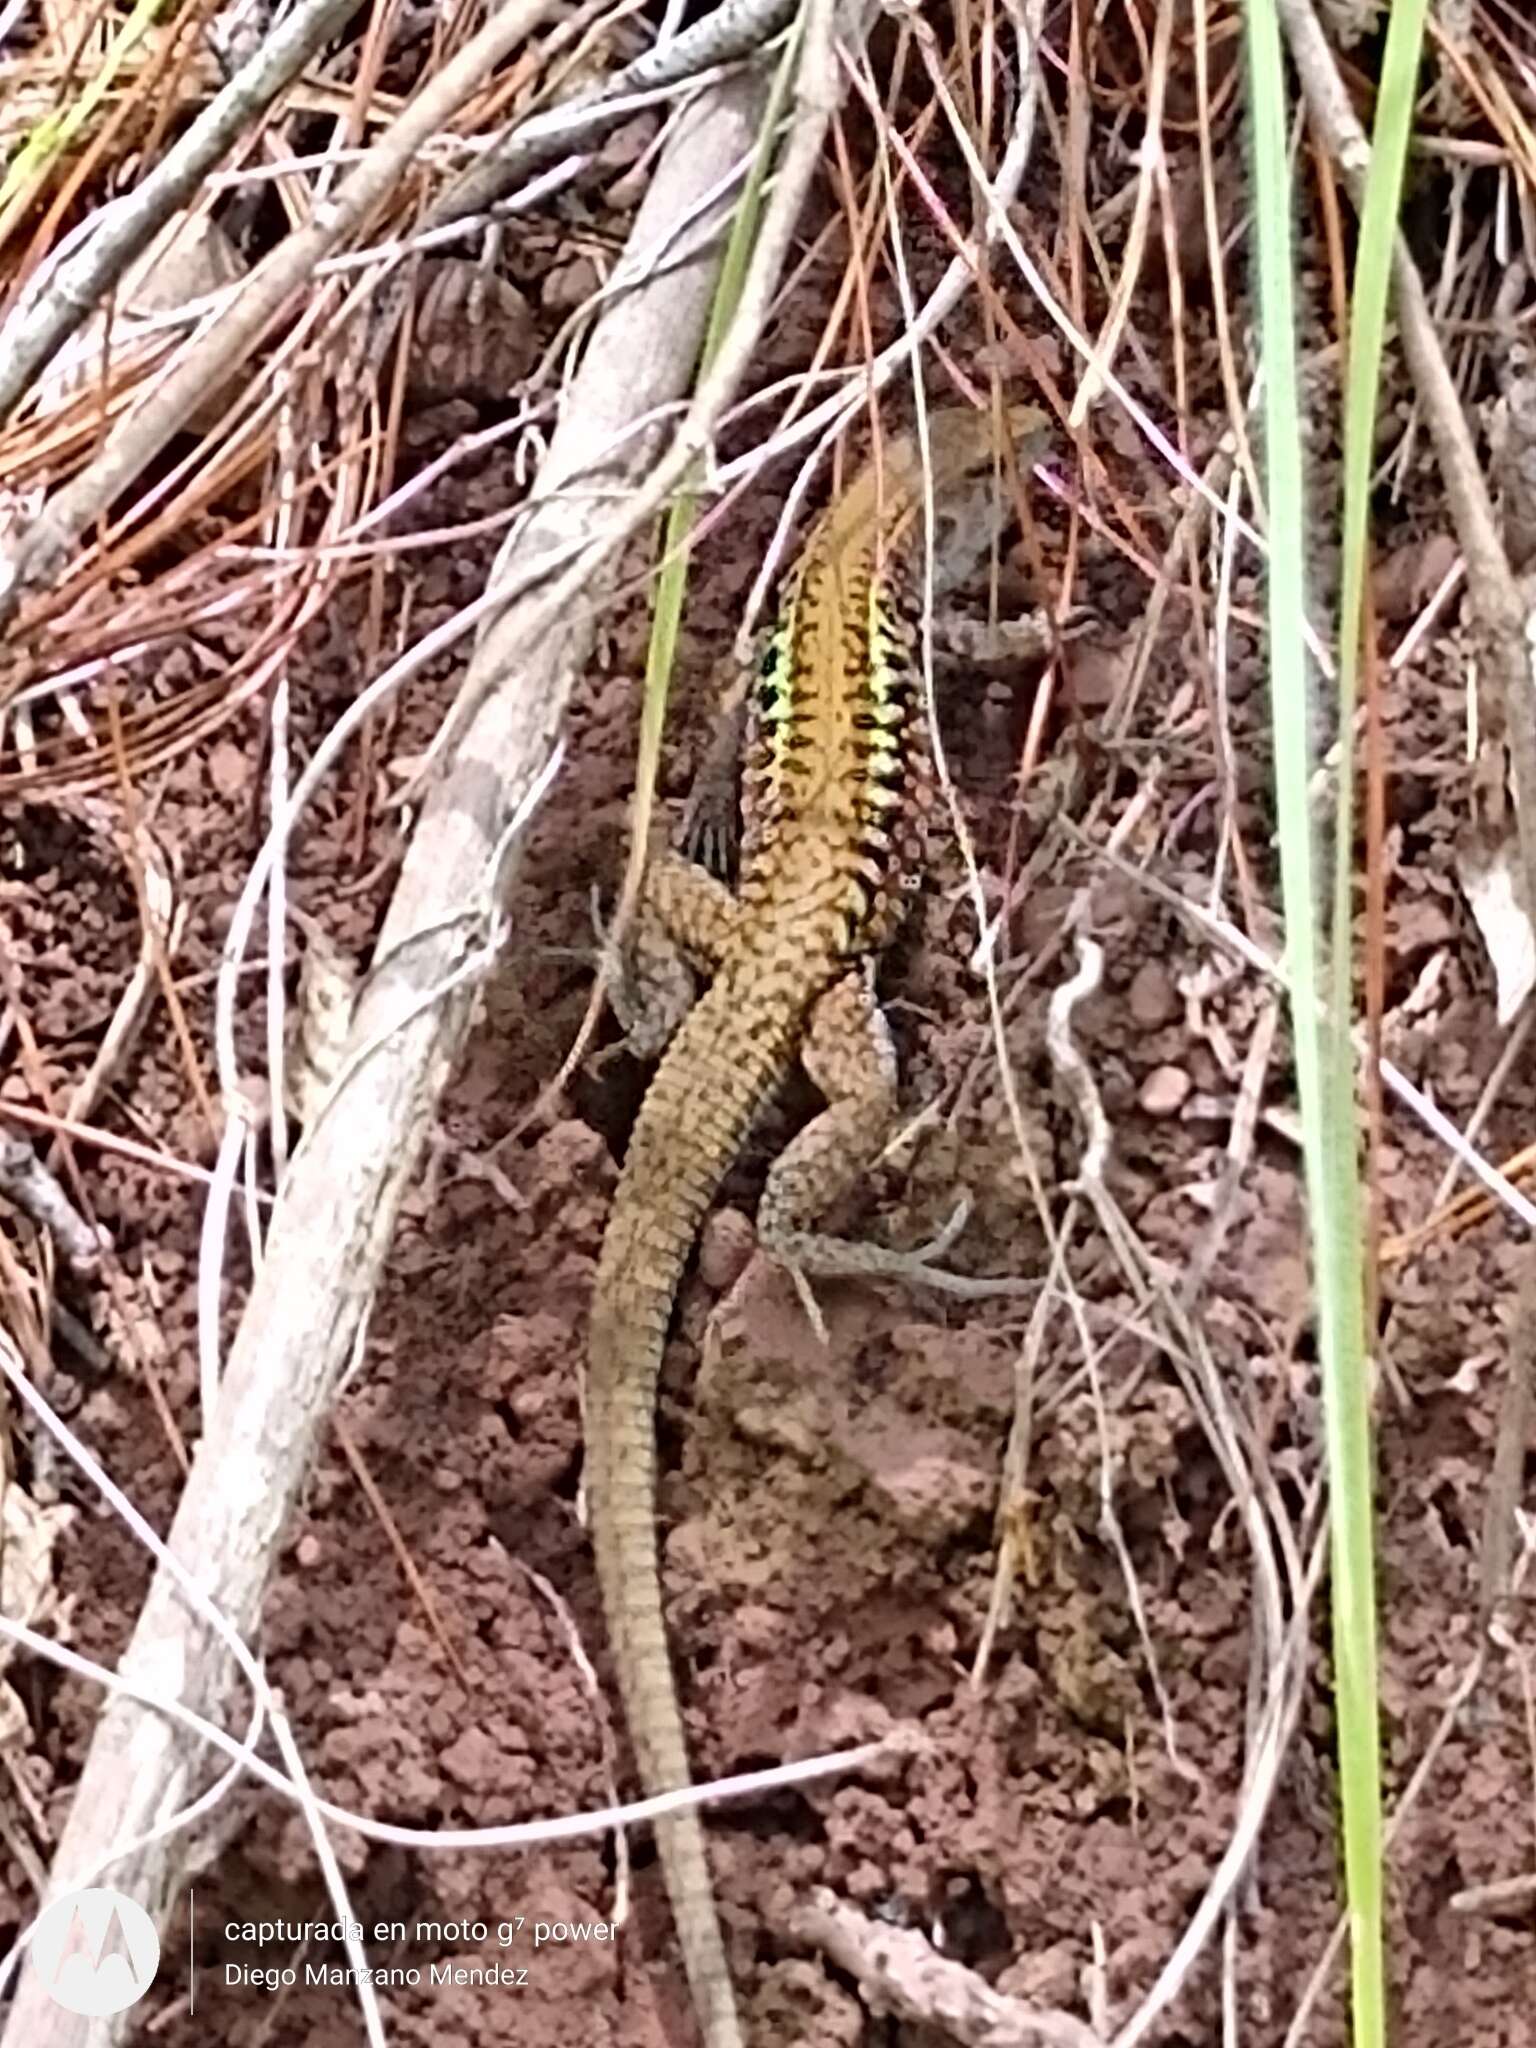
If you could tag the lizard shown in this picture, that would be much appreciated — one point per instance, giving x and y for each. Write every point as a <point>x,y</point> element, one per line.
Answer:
<point>835,796</point>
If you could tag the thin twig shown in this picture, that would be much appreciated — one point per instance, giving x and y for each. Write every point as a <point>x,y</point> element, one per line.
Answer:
<point>26,1183</point>
<point>899,1971</point>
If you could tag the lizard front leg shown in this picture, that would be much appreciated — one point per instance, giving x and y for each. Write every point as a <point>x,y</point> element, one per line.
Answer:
<point>685,921</point>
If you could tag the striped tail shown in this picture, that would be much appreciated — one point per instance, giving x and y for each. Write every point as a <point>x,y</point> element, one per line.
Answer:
<point>696,1114</point>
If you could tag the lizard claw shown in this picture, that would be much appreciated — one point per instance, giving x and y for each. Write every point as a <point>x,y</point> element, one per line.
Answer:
<point>712,820</point>
<point>711,835</point>
<point>936,1247</point>
<point>809,1303</point>
<point>920,1266</point>
<point>804,1253</point>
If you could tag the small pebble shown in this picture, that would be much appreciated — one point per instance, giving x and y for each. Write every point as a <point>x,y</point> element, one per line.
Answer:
<point>1152,998</point>
<point>1165,1091</point>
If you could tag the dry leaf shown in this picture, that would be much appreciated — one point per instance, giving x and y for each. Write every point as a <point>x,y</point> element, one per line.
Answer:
<point>1494,891</point>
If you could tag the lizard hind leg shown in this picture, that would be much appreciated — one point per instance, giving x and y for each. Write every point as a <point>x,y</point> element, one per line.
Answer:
<point>849,1055</point>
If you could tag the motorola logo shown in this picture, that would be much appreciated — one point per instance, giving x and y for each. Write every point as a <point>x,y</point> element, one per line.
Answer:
<point>95,1952</point>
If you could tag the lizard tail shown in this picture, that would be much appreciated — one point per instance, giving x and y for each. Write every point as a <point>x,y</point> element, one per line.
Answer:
<point>696,1114</point>
<point>624,1539</point>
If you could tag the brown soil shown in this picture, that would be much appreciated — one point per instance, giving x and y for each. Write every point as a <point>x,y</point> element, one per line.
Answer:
<point>828,1512</point>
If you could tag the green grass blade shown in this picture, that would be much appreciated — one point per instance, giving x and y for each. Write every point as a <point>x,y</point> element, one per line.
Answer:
<point>1346,1383</point>
<point>671,580</point>
<point>1324,1054</point>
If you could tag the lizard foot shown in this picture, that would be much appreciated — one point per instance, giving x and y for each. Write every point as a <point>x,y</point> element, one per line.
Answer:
<point>807,1253</point>
<point>650,988</point>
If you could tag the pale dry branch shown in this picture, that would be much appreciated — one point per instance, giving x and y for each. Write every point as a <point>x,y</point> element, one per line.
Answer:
<point>1496,1897</point>
<point>815,96</point>
<point>333,1224</point>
